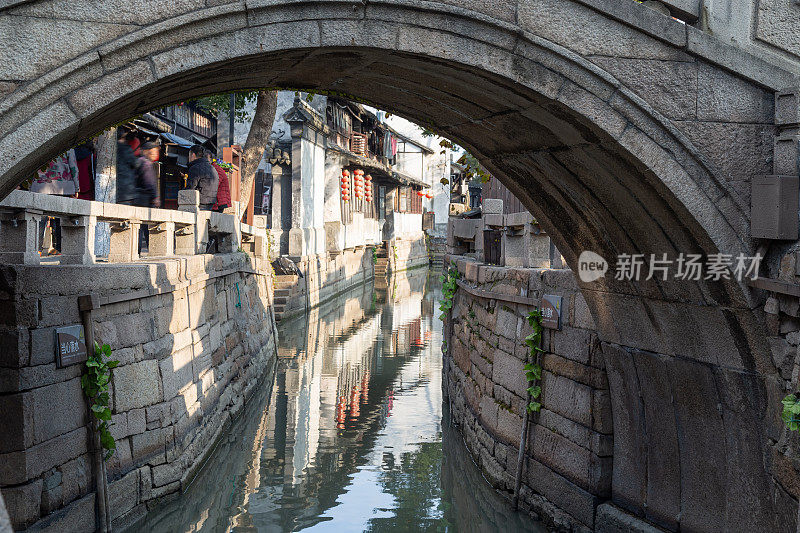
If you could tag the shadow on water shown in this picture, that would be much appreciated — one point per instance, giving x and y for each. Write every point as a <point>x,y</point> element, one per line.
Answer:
<point>350,435</point>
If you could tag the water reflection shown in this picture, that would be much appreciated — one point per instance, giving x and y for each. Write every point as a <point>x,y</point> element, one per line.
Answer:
<point>349,435</point>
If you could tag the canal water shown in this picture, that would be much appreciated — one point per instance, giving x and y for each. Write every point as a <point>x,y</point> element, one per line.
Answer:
<point>351,435</point>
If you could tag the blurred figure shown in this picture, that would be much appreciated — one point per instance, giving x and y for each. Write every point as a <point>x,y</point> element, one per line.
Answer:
<point>59,177</point>
<point>86,157</point>
<point>127,173</point>
<point>148,187</point>
<point>147,175</point>
<point>202,177</point>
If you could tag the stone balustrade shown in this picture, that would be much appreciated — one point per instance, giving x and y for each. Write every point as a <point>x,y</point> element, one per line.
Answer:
<point>523,243</point>
<point>186,231</point>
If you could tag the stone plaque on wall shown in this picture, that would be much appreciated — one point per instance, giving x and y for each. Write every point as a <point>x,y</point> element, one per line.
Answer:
<point>551,311</point>
<point>70,346</point>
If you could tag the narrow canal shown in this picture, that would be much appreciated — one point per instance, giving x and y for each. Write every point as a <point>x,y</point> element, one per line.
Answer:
<point>351,435</point>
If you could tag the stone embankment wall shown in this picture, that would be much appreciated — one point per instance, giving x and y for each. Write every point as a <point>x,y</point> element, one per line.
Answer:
<point>327,275</point>
<point>324,277</point>
<point>568,459</point>
<point>193,336</point>
<point>408,253</point>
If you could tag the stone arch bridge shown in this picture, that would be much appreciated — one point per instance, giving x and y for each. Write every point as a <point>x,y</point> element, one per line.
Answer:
<point>622,130</point>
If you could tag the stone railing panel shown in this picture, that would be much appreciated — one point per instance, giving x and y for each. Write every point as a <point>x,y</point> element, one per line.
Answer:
<point>186,231</point>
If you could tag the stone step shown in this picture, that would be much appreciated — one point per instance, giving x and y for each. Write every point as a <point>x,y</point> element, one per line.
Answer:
<point>281,300</point>
<point>283,292</point>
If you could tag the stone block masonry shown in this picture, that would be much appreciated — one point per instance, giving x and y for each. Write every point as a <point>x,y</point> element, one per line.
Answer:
<point>568,460</point>
<point>328,275</point>
<point>194,336</point>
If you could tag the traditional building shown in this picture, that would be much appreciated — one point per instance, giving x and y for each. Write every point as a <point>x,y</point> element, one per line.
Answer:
<point>343,194</point>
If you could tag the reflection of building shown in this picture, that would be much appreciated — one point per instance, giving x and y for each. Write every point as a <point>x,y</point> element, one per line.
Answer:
<point>341,367</point>
<point>340,403</point>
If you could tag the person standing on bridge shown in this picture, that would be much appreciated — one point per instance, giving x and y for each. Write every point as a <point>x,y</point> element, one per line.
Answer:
<point>147,175</point>
<point>202,177</point>
<point>127,170</point>
<point>224,189</point>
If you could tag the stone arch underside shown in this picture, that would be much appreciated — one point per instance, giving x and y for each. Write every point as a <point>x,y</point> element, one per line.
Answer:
<point>592,159</point>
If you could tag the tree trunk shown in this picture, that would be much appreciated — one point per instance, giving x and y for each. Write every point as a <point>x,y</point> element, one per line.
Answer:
<point>257,138</point>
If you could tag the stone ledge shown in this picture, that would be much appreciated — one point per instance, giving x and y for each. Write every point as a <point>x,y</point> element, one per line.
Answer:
<point>612,519</point>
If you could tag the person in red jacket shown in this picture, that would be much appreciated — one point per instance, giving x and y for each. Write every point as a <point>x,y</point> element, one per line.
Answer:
<point>224,189</point>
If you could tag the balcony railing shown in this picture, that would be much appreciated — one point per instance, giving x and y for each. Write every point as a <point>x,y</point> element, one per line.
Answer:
<point>186,231</point>
<point>358,144</point>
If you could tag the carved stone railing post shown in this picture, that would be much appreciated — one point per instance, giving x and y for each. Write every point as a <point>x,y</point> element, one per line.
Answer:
<point>19,238</point>
<point>774,198</point>
<point>260,246</point>
<point>185,242</point>
<point>224,229</point>
<point>189,200</point>
<point>124,242</point>
<point>77,240</point>
<point>162,239</point>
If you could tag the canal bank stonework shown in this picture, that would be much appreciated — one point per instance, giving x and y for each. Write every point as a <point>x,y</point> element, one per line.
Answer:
<point>568,461</point>
<point>574,468</point>
<point>194,335</point>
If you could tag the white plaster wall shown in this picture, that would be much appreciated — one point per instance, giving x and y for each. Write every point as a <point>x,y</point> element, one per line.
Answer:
<point>411,163</point>
<point>407,225</point>
<point>332,211</point>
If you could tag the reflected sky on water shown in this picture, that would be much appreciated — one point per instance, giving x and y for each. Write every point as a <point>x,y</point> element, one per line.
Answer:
<point>350,435</point>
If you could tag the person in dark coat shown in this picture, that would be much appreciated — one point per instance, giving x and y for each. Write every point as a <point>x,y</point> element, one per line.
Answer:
<point>202,177</point>
<point>147,175</point>
<point>127,172</point>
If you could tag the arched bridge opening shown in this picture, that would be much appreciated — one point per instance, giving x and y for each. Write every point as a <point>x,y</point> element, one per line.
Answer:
<point>610,153</point>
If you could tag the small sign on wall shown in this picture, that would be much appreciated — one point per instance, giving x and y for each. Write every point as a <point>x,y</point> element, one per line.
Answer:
<point>70,346</point>
<point>551,311</point>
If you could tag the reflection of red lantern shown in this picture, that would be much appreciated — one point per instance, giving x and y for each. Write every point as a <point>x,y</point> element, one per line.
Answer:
<point>420,193</point>
<point>428,196</point>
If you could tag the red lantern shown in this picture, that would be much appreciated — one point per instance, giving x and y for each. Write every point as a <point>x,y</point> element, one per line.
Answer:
<point>345,172</point>
<point>368,177</point>
<point>420,193</point>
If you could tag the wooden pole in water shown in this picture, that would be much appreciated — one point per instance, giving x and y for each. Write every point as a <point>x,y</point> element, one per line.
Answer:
<point>523,441</point>
<point>86,304</point>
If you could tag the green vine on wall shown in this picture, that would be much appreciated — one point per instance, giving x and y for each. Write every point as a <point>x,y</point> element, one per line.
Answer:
<point>791,411</point>
<point>95,385</point>
<point>449,287</point>
<point>533,369</point>
<point>270,245</point>
<point>374,256</point>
